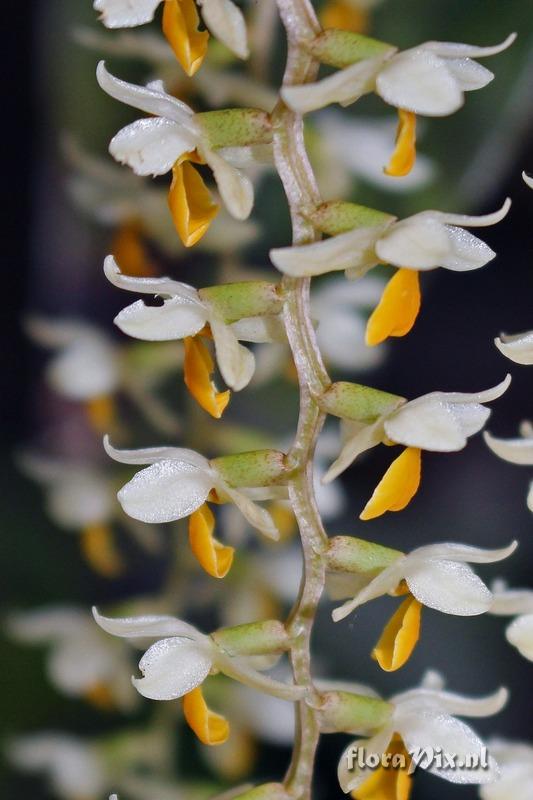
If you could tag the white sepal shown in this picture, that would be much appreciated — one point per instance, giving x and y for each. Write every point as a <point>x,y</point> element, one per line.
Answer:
<point>150,455</point>
<point>151,626</point>
<point>150,146</point>
<point>236,189</point>
<point>516,451</point>
<point>174,319</point>
<point>345,86</point>
<point>173,667</point>
<point>520,634</point>
<point>350,779</point>
<point>358,440</point>
<point>125,13</point>
<point>518,348</point>
<point>418,80</point>
<point>226,22</point>
<point>236,362</point>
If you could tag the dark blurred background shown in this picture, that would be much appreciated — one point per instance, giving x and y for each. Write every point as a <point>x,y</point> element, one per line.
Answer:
<point>52,264</point>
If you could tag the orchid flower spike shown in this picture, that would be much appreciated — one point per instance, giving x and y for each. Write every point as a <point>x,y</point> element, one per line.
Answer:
<point>515,760</point>
<point>417,244</point>
<point>518,603</point>
<point>437,576</point>
<point>178,663</point>
<point>422,721</point>
<point>170,140</point>
<point>186,314</point>
<point>515,451</point>
<point>178,483</point>
<point>180,25</point>
<point>439,422</point>
<point>429,80</point>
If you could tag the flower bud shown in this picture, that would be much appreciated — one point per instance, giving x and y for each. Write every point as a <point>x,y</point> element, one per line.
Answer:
<point>352,713</point>
<point>253,638</point>
<point>339,216</point>
<point>349,554</point>
<point>234,301</point>
<point>340,48</point>
<point>253,469</point>
<point>359,403</point>
<point>235,127</point>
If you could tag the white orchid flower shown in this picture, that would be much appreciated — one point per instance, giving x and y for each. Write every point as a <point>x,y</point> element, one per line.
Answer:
<point>424,719</point>
<point>154,145</point>
<point>180,24</point>
<point>422,242</point>
<point>184,314</point>
<point>178,663</point>
<point>86,363</point>
<point>74,768</point>
<point>515,760</point>
<point>430,79</point>
<point>177,483</point>
<point>81,661</point>
<point>518,603</point>
<point>436,575</point>
<point>515,451</point>
<point>439,422</point>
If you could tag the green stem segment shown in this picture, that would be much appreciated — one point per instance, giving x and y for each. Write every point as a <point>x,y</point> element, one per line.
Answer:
<point>299,183</point>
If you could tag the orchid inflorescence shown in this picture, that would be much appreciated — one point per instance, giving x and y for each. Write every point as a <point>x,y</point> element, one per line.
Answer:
<point>219,326</point>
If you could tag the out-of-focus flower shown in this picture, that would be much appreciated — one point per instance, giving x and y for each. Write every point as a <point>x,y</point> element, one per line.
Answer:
<point>74,768</point>
<point>82,662</point>
<point>439,422</point>
<point>516,451</point>
<point>178,664</point>
<point>85,366</point>
<point>170,140</point>
<point>515,760</point>
<point>362,145</point>
<point>517,603</point>
<point>437,576</point>
<point>340,310</point>
<point>349,15</point>
<point>180,25</point>
<point>184,314</point>
<point>79,498</point>
<point>422,721</point>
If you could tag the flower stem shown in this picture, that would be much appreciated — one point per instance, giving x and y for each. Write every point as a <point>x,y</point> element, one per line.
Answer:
<point>300,187</point>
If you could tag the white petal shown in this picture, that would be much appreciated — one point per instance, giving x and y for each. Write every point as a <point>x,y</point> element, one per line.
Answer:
<point>165,491</point>
<point>226,22</point>
<point>520,634</point>
<point>419,242</point>
<point>236,189</point>
<point>466,251</point>
<point>257,516</point>
<point>149,455</point>
<point>345,86</point>
<point>155,625</point>
<point>236,362</point>
<point>516,451</point>
<point>528,180</point>
<point>366,437</point>
<point>448,586</point>
<point>125,13</point>
<point>155,286</point>
<point>429,424</point>
<point>150,100</point>
<point>470,221</point>
<point>150,146</point>
<point>519,348</point>
<point>173,667</point>
<point>469,74</point>
<point>459,50</point>
<point>174,319</point>
<point>452,703</point>
<point>418,80</point>
<point>424,729</point>
<point>350,779</point>
<point>450,551</point>
<point>345,251</point>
